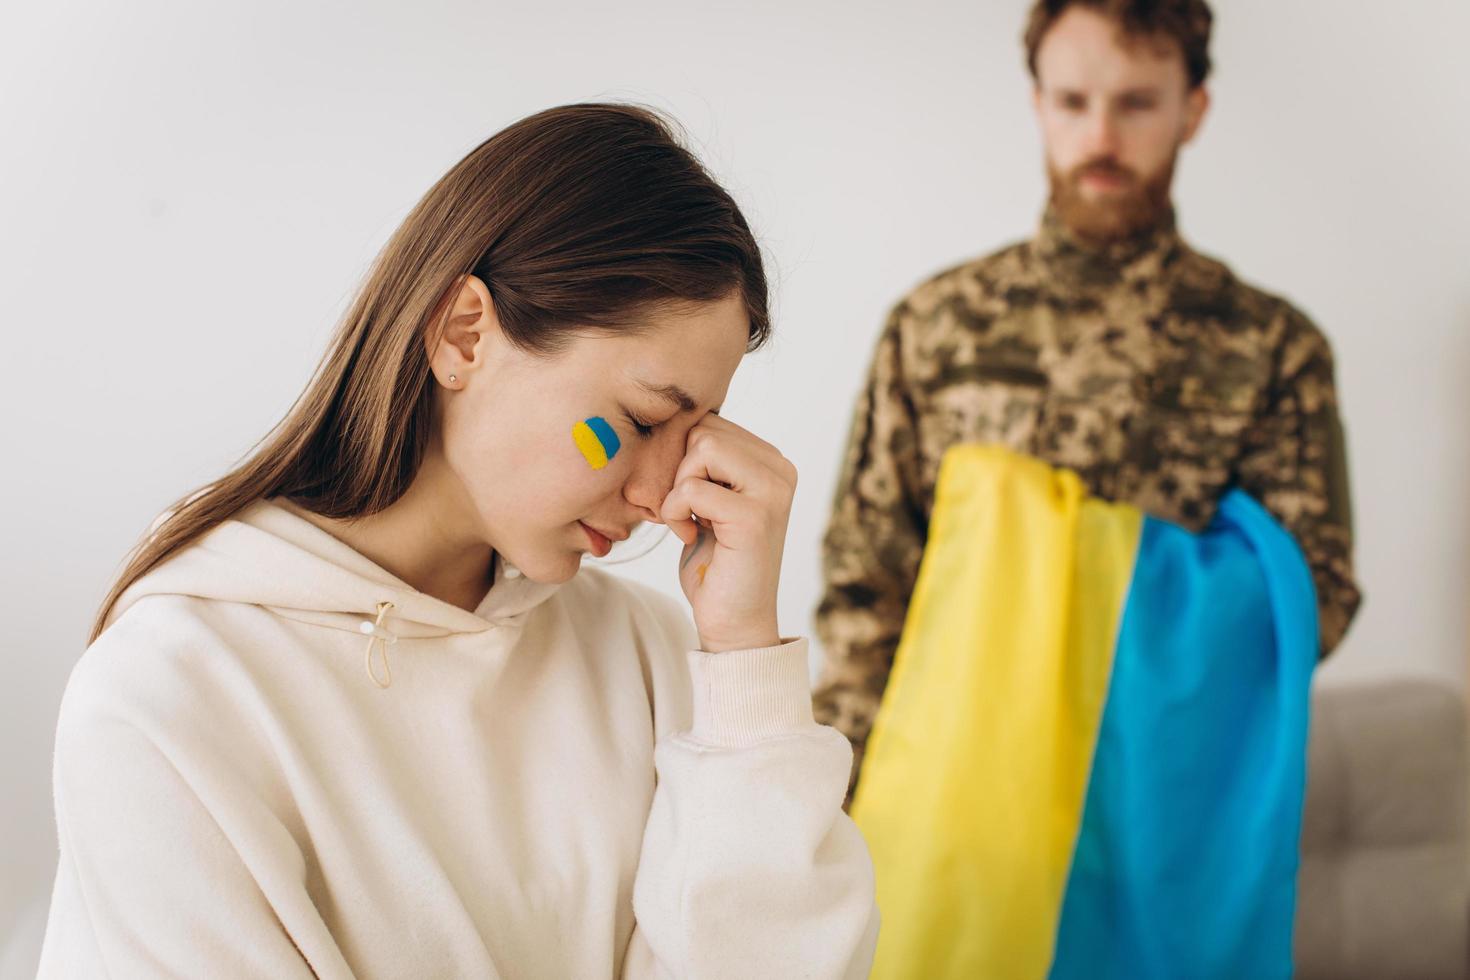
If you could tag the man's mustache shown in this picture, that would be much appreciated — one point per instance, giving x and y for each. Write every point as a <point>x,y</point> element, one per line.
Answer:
<point>1103,167</point>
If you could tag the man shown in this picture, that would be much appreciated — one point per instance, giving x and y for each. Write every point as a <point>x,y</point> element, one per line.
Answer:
<point>1104,345</point>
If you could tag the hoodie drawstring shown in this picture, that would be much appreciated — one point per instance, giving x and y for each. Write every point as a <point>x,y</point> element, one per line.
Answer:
<point>375,632</point>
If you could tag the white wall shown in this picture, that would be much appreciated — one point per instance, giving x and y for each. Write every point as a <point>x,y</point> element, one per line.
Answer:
<point>189,192</point>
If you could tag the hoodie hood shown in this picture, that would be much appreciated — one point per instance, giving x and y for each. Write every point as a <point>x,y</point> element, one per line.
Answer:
<point>271,557</point>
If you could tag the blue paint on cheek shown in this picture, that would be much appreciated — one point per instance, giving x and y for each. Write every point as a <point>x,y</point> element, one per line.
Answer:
<point>605,435</point>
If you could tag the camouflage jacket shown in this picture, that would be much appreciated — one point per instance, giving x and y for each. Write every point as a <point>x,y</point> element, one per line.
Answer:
<point>1146,367</point>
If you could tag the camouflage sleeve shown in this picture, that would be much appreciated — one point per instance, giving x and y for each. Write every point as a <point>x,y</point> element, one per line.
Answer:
<point>871,551</point>
<point>1295,463</point>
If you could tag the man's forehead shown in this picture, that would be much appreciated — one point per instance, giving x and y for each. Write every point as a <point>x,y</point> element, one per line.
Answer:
<point>1085,50</point>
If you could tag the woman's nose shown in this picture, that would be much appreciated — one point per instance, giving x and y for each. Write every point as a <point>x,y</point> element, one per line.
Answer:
<point>653,477</point>
<point>645,500</point>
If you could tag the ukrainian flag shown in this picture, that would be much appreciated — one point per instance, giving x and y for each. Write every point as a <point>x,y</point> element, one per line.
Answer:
<point>597,440</point>
<point>1090,757</point>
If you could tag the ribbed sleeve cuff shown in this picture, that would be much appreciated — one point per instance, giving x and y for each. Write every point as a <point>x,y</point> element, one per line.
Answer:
<point>742,696</point>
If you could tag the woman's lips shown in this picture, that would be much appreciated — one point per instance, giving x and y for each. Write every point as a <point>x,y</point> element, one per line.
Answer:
<point>601,544</point>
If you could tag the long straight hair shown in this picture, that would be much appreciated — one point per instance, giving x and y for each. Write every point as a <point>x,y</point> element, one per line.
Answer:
<point>583,216</point>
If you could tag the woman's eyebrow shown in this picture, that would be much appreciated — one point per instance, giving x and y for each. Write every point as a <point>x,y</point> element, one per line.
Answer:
<point>672,394</point>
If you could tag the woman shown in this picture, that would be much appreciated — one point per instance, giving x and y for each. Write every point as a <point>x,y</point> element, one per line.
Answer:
<point>352,710</point>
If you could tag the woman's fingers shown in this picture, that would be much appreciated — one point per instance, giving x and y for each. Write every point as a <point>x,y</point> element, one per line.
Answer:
<point>726,454</point>
<point>715,504</point>
<point>730,505</point>
<point>759,450</point>
<point>716,425</point>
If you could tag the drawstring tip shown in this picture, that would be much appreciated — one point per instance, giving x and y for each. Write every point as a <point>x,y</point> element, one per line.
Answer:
<point>376,633</point>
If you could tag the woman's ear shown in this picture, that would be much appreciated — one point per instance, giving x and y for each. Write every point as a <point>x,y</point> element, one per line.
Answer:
<point>470,328</point>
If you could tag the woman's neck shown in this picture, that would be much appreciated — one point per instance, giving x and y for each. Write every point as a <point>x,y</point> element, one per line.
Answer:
<point>426,537</point>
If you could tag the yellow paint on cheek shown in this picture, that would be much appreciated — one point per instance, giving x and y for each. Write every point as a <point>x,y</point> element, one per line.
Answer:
<point>701,570</point>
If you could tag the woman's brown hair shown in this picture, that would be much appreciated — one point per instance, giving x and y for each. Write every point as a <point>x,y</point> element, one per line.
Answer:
<point>583,216</point>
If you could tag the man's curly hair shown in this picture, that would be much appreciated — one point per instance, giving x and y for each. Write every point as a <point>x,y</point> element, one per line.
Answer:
<point>1185,22</point>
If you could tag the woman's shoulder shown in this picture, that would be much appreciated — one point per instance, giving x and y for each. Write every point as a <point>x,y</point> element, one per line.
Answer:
<point>158,710</point>
<point>149,669</point>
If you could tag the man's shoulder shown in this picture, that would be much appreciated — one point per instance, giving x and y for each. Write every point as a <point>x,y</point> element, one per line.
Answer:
<point>972,282</point>
<point>1212,280</point>
<point>1276,327</point>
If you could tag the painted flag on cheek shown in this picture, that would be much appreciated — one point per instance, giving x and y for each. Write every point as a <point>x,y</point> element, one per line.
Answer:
<point>597,441</point>
<point>1091,754</point>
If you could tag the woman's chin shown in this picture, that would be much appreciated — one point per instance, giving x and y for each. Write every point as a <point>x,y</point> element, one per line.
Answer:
<point>548,569</point>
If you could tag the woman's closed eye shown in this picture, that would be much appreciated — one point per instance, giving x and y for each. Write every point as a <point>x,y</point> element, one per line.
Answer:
<point>642,426</point>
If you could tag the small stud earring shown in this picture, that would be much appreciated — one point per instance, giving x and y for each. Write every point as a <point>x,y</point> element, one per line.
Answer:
<point>452,379</point>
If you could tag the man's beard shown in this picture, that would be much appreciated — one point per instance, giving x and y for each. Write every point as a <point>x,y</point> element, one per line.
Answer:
<point>1139,207</point>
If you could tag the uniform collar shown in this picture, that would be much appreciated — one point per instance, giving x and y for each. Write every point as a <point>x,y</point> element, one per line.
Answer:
<point>1076,261</point>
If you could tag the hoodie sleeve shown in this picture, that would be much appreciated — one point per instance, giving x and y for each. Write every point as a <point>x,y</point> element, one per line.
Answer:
<point>750,867</point>
<point>148,885</point>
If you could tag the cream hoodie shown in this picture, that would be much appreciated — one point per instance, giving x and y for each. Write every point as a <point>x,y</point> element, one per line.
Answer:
<point>555,785</point>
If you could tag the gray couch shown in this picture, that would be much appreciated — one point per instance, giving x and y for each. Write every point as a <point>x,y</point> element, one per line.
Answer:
<point>1384,890</point>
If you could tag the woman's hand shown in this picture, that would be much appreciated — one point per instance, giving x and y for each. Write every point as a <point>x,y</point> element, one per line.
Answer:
<point>730,505</point>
